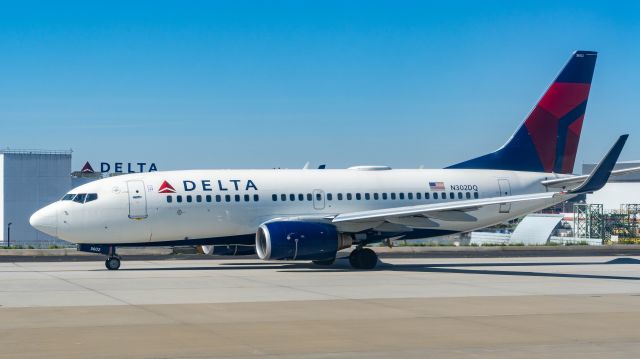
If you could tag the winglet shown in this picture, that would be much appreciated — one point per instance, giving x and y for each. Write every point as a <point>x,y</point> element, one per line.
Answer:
<point>600,175</point>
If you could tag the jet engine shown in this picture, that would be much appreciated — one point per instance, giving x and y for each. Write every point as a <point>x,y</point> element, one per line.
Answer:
<point>293,240</point>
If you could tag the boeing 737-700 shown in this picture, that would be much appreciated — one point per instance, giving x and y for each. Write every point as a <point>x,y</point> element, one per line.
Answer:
<point>311,214</point>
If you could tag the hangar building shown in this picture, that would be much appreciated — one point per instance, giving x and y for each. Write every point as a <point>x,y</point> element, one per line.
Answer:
<point>30,179</point>
<point>620,191</point>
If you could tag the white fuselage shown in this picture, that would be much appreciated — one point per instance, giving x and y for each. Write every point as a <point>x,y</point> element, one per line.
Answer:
<point>227,203</point>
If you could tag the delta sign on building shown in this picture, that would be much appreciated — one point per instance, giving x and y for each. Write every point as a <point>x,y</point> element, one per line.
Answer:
<point>120,167</point>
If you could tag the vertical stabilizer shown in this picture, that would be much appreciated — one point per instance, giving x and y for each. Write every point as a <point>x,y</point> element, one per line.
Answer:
<point>548,139</point>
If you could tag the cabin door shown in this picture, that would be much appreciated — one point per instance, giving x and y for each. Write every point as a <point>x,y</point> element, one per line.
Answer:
<point>505,190</point>
<point>137,200</point>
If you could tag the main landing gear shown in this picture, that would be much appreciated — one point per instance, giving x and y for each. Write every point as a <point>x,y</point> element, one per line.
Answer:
<point>363,258</point>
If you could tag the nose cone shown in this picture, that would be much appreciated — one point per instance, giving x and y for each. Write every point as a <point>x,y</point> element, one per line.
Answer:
<point>45,220</point>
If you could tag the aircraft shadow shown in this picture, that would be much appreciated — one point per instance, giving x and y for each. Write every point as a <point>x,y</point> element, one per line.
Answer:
<point>462,268</point>
<point>342,265</point>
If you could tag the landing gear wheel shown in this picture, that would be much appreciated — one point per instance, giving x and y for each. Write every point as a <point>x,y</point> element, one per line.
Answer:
<point>354,258</point>
<point>326,262</point>
<point>112,263</point>
<point>363,258</point>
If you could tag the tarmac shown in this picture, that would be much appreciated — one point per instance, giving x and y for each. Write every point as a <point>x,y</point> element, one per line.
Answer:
<point>507,307</point>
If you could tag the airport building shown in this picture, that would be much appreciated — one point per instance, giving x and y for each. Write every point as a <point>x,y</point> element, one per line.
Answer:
<point>620,191</point>
<point>30,179</point>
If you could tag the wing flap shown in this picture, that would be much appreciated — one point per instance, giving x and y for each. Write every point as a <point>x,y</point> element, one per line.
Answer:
<point>437,210</point>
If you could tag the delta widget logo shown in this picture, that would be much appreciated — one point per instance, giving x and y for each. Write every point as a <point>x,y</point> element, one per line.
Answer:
<point>165,187</point>
<point>87,168</point>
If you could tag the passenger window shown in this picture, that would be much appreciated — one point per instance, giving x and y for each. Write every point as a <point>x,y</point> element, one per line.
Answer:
<point>418,195</point>
<point>318,196</point>
<point>283,197</point>
<point>237,198</point>
<point>208,198</point>
<point>274,197</point>
<point>358,196</point>
<point>80,197</point>
<point>198,198</point>
<point>426,195</point>
<point>468,194</point>
<point>329,197</point>
<point>401,195</point>
<point>256,198</point>
<point>367,196</point>
<point>179,198</point>
<point>247,198</point>
<point>475,195</point>
<point>91,197</point>
<point>393,195</point>
<point>218,198</point>
<point>292,197</point>
<point>435,195</point>
<point>189,198</point>
<point>452,195</point>
<point>300,197</point>
<point>309,197</point>
<point>227,198</point>
<point>349,196</point>
<point>169,199</point>
<point>410,195</point>
<point>459,195</point>
<point>384,195</point>
<point>375,196</point>
<point>339,196</point>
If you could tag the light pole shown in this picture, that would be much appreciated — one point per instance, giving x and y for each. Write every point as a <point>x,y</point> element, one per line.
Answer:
<point>9,234</point>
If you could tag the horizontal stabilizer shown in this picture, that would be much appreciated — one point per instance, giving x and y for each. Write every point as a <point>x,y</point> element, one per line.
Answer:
<point>600,175</point>
<point>567,181</point>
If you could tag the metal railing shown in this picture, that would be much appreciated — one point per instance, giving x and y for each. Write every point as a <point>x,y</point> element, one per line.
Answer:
<point>9,151</point>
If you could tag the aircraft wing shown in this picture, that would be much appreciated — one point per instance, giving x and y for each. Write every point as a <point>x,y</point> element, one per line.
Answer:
<point>456,211</point>
<point>451,210</point>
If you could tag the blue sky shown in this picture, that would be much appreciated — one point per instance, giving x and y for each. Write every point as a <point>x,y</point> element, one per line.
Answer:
<point>260,84</point>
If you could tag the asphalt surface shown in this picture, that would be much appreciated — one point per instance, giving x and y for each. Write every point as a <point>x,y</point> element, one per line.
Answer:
<point>526,307</point>
<point>383,252</point>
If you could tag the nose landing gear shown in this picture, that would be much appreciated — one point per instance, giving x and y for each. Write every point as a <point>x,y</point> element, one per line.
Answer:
<point>112,263</point>
<point>113,260</point>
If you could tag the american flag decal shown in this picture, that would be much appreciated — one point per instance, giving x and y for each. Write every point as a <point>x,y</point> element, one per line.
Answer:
<point>436,186</point>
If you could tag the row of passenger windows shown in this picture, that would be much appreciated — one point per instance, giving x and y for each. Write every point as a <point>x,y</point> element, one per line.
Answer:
<point>80,197</point>
<point>375,196</point>
<point>218,198</point>
<point>309,197</point>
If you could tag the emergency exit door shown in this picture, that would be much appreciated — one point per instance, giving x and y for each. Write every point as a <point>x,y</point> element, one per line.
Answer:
<point>137,200</point>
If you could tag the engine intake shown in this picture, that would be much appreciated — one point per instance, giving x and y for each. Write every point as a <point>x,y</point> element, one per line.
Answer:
<point>292,240</point>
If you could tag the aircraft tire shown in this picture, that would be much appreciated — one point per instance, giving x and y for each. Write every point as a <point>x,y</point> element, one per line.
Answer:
<point>112,263</point>
<point>363,258</point>
<point>354,258</point>
<point>368,258</point>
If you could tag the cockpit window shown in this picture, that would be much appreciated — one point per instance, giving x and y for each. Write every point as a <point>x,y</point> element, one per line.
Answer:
<point>80,197</point>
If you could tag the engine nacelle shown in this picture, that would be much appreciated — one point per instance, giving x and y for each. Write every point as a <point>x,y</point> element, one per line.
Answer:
<point>292,240</point>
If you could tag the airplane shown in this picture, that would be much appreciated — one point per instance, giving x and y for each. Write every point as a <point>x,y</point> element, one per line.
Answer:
<point>310,214</point>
